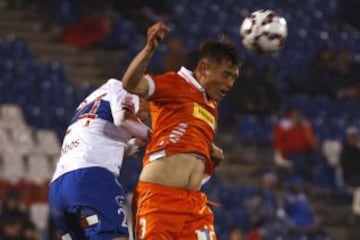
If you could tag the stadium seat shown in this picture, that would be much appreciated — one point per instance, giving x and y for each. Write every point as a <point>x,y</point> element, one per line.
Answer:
<point>39,214</point>
<point>7,66</point>
<point>324,176</point>
<point>48,142</point>
<point>12,116</point>
<point>5,142</point>
<point>246,126</point>
<point>19,49</point>
<point>38,169</point>
<point>264,129</point>
<point>54,71</point>
<point>238,217</point>
<point>300,100</point>
<point>321,105</point>
<point>220,219</point>
<point>225,196</point>
<point>23,140</point>
<point>13,169</point>
<point>337,126</point>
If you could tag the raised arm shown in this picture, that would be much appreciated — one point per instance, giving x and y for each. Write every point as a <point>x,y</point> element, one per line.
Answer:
<point>133,80</point>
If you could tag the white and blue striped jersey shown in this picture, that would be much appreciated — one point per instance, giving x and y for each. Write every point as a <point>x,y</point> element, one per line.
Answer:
<point>92,139</point>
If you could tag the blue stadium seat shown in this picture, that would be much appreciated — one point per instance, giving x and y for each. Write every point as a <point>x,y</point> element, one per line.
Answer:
<point>225,196</point>
<point>324,176</point>
<point>123,35</point>
<point>320,128</point>
<point>220,219</point>
<point>264,129</point>
<point>246,126</point>
<point>302,101</point>
<point>238,217</point>
<point>19,49</point>
<point>31,67</point>
<point>321,105</point>
<point>66,11</point>
<point>7,66</point>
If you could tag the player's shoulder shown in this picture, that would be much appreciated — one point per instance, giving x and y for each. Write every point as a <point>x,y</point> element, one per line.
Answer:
<point>167,75</point>
<point>113,82</point>
<point>172,78</point>
<point>114,85</point>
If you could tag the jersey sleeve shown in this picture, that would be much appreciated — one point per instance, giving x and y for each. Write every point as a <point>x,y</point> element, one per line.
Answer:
<point>161,86</point>
<point>120,99</point>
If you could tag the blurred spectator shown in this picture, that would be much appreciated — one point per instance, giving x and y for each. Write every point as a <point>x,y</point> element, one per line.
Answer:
<point>10,228</point>
<point>144,12</point>
<point>294,143</point>
<point>349,11</point>
<point>268,93</point>
<point>262,206</point>
<point>175,56</point>
<point>255,234</point>
<point>87,32</point>
<point>255,92</point>
<point>192,56</point>
<point>266,214</point>
<point>15,221</point>
<point>244,93</point>
<point>12,206</point>
<point>350,162</point>
<point>348,74</point>
<point>158,10</point>
<point>298,207</point>
<point>236,234</point>
<point>51,232</point>
<point>29,232</point>
<point>328,173</point>
<point>320,78</point>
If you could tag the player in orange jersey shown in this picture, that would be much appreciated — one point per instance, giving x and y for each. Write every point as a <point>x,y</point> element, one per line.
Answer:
<point>180,155</point>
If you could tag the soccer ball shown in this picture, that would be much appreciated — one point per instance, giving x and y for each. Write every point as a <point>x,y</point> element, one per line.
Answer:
<point>263,31</point>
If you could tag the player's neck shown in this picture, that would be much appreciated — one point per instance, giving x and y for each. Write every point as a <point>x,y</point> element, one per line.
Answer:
<point>197,77</point>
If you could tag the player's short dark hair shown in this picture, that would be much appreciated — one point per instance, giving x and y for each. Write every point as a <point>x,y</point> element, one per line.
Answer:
<point>220,49</point>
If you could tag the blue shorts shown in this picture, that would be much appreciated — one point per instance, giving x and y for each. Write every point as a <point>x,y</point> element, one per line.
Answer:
<point>88,204</point>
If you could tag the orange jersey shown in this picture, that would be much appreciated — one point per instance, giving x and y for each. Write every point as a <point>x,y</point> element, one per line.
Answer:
<point>183,120</point>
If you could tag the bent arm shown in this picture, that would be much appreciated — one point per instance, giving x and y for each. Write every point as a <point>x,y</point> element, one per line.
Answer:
<point>133,80</point>
<point>128,121</point>
<point>216,154</point>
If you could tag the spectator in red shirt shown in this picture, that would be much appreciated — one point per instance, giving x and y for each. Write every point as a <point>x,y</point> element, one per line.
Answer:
<point>294,143</point>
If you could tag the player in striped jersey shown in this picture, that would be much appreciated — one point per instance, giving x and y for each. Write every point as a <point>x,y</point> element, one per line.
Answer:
<point>86,199</point>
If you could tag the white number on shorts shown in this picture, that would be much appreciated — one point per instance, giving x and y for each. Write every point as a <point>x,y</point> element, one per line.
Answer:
<point>142,223</point>
<point>120,202</point>
<point>121,212</point>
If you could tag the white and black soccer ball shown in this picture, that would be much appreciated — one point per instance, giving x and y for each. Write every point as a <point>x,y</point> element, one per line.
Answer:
<point>263,31</point>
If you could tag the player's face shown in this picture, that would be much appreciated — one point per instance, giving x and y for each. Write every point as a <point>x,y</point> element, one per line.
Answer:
<point>219,78</point>
<point>143,112</point>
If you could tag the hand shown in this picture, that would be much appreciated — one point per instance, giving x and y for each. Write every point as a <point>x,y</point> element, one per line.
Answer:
<point>134,146</point>
<point>281,161</point>
<point>216,154</point>
<point>156,34</point>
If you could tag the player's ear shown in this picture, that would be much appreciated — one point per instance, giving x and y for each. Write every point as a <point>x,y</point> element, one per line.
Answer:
<point>203,68</point>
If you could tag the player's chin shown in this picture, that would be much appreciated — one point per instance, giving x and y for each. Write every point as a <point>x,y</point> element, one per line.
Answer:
<point>216,98</point>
